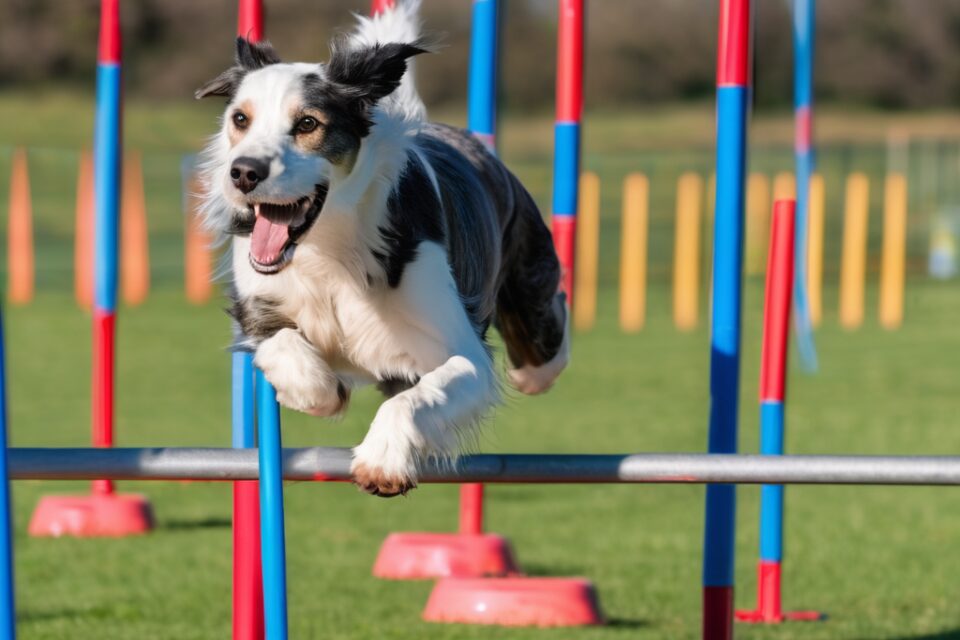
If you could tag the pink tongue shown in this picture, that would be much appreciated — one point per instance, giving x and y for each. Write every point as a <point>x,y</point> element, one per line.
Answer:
<point>268,239</point>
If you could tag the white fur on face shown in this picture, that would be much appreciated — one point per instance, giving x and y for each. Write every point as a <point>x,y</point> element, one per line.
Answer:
<point>271,98</point>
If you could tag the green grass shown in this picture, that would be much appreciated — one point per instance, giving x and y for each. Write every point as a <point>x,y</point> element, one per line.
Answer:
<point>879,560</point>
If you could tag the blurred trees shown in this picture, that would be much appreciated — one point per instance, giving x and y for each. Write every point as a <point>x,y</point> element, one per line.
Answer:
<point>888,53</point>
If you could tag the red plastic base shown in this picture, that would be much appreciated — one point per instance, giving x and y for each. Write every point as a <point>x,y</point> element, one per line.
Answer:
<point>515,602</point>
<point>768,609</point>
<point>416,556</point>
<point>110,514</point>
<point>759,617</point>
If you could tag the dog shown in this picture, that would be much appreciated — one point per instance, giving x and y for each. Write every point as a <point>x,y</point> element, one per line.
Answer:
<point>371,246</point>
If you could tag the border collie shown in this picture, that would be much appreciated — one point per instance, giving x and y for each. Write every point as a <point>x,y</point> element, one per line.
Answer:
<point>371,246</point>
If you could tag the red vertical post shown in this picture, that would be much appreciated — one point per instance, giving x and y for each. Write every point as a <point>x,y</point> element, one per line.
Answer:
<point>248,621</point>
<point>379,6</point>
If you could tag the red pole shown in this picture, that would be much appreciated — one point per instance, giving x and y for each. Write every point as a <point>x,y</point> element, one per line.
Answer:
<point>379,6</point>
<point>248,622</point>
<point>471,508</point>
<point>250,20</point>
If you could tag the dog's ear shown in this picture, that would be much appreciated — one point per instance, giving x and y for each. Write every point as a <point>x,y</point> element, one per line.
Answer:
<point>224,84</point>
<point>255,55</point>
<point>250,56</point>
<point>371,73</point>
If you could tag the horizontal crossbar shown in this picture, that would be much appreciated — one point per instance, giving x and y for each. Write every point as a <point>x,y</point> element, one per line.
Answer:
<point>332,464</point>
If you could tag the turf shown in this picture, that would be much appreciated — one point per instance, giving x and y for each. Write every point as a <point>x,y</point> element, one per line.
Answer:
<point>879,561</point>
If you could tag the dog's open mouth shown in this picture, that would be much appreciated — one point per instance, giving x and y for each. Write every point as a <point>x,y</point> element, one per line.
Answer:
<point>277,227</point>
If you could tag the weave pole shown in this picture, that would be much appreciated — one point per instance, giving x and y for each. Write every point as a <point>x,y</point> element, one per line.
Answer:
<point>272,543</point>
<point>470,552</point>
<point>803,31</point>
<point>248,585</point>
<point>566,137</point>
<point>104,513</point>
<point>733,101</point>
<point>773,388</point>
<point>482,122</point>
<point>8,618</point>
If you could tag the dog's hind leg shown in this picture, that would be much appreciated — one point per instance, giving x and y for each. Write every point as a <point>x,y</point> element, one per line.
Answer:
<point>532,315</point>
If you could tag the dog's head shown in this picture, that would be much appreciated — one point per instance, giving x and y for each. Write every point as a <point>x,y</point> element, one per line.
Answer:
<point>284,128</point>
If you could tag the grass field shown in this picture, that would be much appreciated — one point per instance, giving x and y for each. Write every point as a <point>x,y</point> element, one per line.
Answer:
<point>880,561</point>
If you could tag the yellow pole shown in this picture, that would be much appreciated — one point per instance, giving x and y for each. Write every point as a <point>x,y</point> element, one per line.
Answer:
<point>588,249</point>
<point>686,255</point>
<point>633,253</point>
<point>134,237</point>
<point>784,186</point>
<point>815,221</point>
<point>758,222</point>
<point>894,251</point>
<point>853,262</point>
<point>20,257</point>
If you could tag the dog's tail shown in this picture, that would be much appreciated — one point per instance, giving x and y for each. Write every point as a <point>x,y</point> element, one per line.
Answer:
<point>398,23</point>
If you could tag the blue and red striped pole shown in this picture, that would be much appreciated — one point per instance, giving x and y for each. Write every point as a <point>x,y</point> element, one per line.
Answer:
<point>566,151</point>
<point>482,122</point>
<point>803,29</point>
<point>107,167</point>
<point>773,386</point>
<point>247,570</point>
<point>733,101</point>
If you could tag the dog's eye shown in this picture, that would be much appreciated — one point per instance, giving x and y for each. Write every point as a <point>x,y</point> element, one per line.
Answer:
<point>306,125</point>
<point>240,120</point>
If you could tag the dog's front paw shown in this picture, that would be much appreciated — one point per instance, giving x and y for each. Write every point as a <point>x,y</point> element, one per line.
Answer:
<point>385,463</point>
<point>302,379</point>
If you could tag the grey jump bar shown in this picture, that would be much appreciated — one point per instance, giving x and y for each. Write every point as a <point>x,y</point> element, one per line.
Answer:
<point>333,464</point>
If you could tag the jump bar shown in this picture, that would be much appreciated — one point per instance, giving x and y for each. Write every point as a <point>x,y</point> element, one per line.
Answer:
<point>333,464</point>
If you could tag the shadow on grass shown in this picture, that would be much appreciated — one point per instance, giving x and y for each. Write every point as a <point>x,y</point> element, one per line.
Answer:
<point>192,525</point>
<point>554,570</point>
<point>625,623</point>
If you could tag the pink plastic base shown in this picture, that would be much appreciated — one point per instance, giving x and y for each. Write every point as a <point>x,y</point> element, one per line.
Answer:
<point>759,617</point>
<point>418,556</point>
<point>515,602</point>
<point>94,515</point>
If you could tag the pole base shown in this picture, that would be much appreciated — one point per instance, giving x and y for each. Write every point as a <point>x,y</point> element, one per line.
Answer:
<point>515,602</point>
<point>420,556</point>
<point>761,617</point>
<point>94,515</point>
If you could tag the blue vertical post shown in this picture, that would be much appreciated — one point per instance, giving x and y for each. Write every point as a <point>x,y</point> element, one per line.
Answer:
<point>7,609</point>
<point>733,99</point>
<point>803,29</point>
<point>482,79</point>
<point>482,122</point>
<point>273,546</point>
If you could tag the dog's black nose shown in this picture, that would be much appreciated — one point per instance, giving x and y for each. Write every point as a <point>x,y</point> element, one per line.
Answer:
<point>247,173</point>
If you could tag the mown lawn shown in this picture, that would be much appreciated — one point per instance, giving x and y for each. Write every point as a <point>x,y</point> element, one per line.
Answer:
<point>880,561</point>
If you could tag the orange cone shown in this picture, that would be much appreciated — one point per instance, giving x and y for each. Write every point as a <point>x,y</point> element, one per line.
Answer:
<point>83,238</point>
<point>134,246</point>
<point>20,232</point>
<point>198,259</point>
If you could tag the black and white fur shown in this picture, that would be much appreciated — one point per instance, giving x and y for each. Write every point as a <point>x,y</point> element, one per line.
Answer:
<point>405,241</point>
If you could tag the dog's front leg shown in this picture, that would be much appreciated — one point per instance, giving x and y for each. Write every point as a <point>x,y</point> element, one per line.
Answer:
<point>302,378</point>
<point>429,420</point>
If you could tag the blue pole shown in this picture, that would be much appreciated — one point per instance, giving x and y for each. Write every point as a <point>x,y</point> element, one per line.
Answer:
<point>243,401</point>
<point>273,549</point>
<point>8,629</point>
<point>771,495</point>
<point>482,78</point>
<point>733,104</point>
<point>803,28</point>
